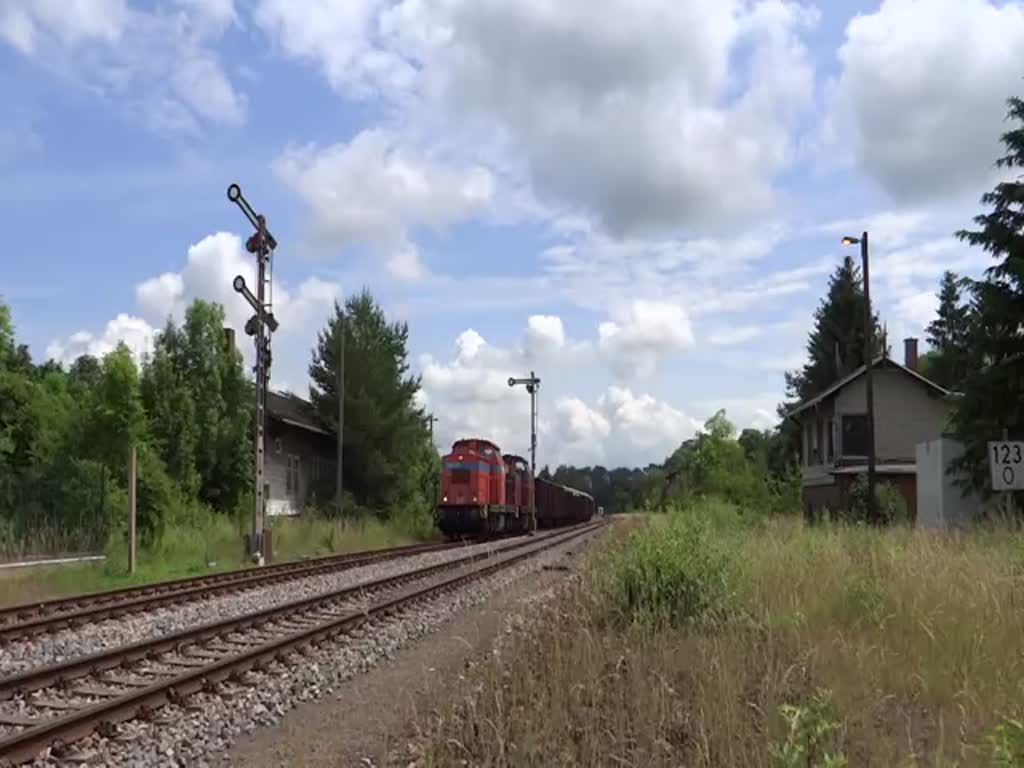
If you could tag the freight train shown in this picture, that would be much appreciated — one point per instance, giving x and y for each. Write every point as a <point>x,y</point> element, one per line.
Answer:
<point>486,493</point>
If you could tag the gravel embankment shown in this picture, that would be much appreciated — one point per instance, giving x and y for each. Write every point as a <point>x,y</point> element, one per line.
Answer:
<point>199,733</point>
<point>21,655</point>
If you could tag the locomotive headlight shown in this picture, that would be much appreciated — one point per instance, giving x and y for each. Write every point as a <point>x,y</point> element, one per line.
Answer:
<point>444,498</point>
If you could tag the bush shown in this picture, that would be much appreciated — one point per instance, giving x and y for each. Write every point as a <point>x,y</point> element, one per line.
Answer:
<point>891,506</point>
<point>672,571</point>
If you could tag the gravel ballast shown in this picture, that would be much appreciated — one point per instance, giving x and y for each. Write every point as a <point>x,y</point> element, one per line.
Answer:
<point>64,645</point>
<point>198,733</point>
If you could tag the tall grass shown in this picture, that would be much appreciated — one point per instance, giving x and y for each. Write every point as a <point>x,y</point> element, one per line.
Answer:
<point>709,639</point>
<point>197,540</point>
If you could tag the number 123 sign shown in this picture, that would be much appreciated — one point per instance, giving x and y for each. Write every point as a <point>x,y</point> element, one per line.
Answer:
<point>1006,459</point>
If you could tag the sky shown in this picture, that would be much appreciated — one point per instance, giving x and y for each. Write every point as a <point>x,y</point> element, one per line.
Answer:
<point>641,201</point>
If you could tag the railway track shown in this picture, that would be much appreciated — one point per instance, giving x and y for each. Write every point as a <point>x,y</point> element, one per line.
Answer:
<point>30,619</point>
<point>76,698</point>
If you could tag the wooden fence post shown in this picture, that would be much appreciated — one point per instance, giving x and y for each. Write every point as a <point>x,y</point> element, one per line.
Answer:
<point>132,469</point>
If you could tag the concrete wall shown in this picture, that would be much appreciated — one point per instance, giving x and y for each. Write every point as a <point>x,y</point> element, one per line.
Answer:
<point>905,412</point>
<point>940,503</point>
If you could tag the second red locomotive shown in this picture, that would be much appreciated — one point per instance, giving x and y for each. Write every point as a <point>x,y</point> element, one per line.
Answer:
<point>483,492</point>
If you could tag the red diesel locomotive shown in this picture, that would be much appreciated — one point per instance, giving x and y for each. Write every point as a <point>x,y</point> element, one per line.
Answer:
<point>485,493</point>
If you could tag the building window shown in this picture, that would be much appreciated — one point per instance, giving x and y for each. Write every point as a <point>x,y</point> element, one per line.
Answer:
<point>291,481</point>
<point>814,455</point>
<point>855,434</point>
<point>320,471</point>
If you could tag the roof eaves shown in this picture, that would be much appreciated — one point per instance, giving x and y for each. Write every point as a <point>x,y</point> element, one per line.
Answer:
<point>856,374</point>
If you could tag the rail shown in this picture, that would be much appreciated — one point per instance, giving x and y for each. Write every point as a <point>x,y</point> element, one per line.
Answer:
<point>28,619</point>
<point>191,660</point>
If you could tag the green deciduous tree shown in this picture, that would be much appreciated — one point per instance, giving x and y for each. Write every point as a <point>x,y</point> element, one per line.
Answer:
<point>992,389</point>
<point>198,402</point>
<point>221,396</point>
<point>386,441</point>
<point>84,376</point>
<point>116,419</point>
<point>6,335</point>
<point>167,394</point>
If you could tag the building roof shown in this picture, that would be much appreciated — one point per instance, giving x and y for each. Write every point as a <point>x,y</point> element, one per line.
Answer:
<point>295,411</point>
<point>879,361</point>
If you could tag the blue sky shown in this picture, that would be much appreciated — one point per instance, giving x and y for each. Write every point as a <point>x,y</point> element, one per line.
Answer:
<point>642,203</point>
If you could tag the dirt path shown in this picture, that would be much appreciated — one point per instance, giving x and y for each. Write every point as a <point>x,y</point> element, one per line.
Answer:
<point>369,714</point>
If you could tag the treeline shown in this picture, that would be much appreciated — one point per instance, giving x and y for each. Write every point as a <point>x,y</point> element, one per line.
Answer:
<point>752,470</point>
<point>66,433</point>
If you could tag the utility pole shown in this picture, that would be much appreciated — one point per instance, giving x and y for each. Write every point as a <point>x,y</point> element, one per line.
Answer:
<point>259,326</point>
<point>339,482</point>
<point>132,498</point>
<point>430,425</point>
<point>532,385</point>
<point>869,360</point>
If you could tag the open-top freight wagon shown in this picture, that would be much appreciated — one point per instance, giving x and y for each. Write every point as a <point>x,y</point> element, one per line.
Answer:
<point>486,493</point>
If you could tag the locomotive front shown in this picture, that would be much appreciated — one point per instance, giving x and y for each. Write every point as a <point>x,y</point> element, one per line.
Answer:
<point>472,484</point>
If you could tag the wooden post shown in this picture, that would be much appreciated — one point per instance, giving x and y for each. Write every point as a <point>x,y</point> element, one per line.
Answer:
<point>132,469</point>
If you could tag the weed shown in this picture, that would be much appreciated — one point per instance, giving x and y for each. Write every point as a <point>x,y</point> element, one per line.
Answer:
<point>810,742</point>
<point>1007,744</point>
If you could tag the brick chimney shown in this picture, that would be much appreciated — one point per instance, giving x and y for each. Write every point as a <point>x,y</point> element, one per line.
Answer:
<point>910,353</point>
<point>229,340</point>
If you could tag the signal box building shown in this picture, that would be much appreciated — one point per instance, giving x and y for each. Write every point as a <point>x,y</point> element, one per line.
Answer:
<point>909,409</point>
<point>300,456</point>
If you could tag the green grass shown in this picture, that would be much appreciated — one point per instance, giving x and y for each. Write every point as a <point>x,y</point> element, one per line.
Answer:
<point>207,543</point>
<point>706,638</point>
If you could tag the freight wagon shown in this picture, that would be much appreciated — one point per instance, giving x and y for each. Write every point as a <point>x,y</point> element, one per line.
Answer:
<point>485,493</point>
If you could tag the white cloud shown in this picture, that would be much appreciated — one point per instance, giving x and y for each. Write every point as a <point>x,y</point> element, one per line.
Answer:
<point>646,331</point>
<point>726,337</point>
<point>340,36</point>
<point>653,428</point>
<point>157,64</point>
<point>545,340</point>
<point>218,13</point>
<point>923,87</point>
<point>371,190</point>
<point>72,22</point>
<point>707,275</point>
<point>544,333</point>
<point>135,332</point>
<point>405,263</point>
<point>201,84</point>
<point>211,266</point>
<point>646,126</point>
<point>470,394</point>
